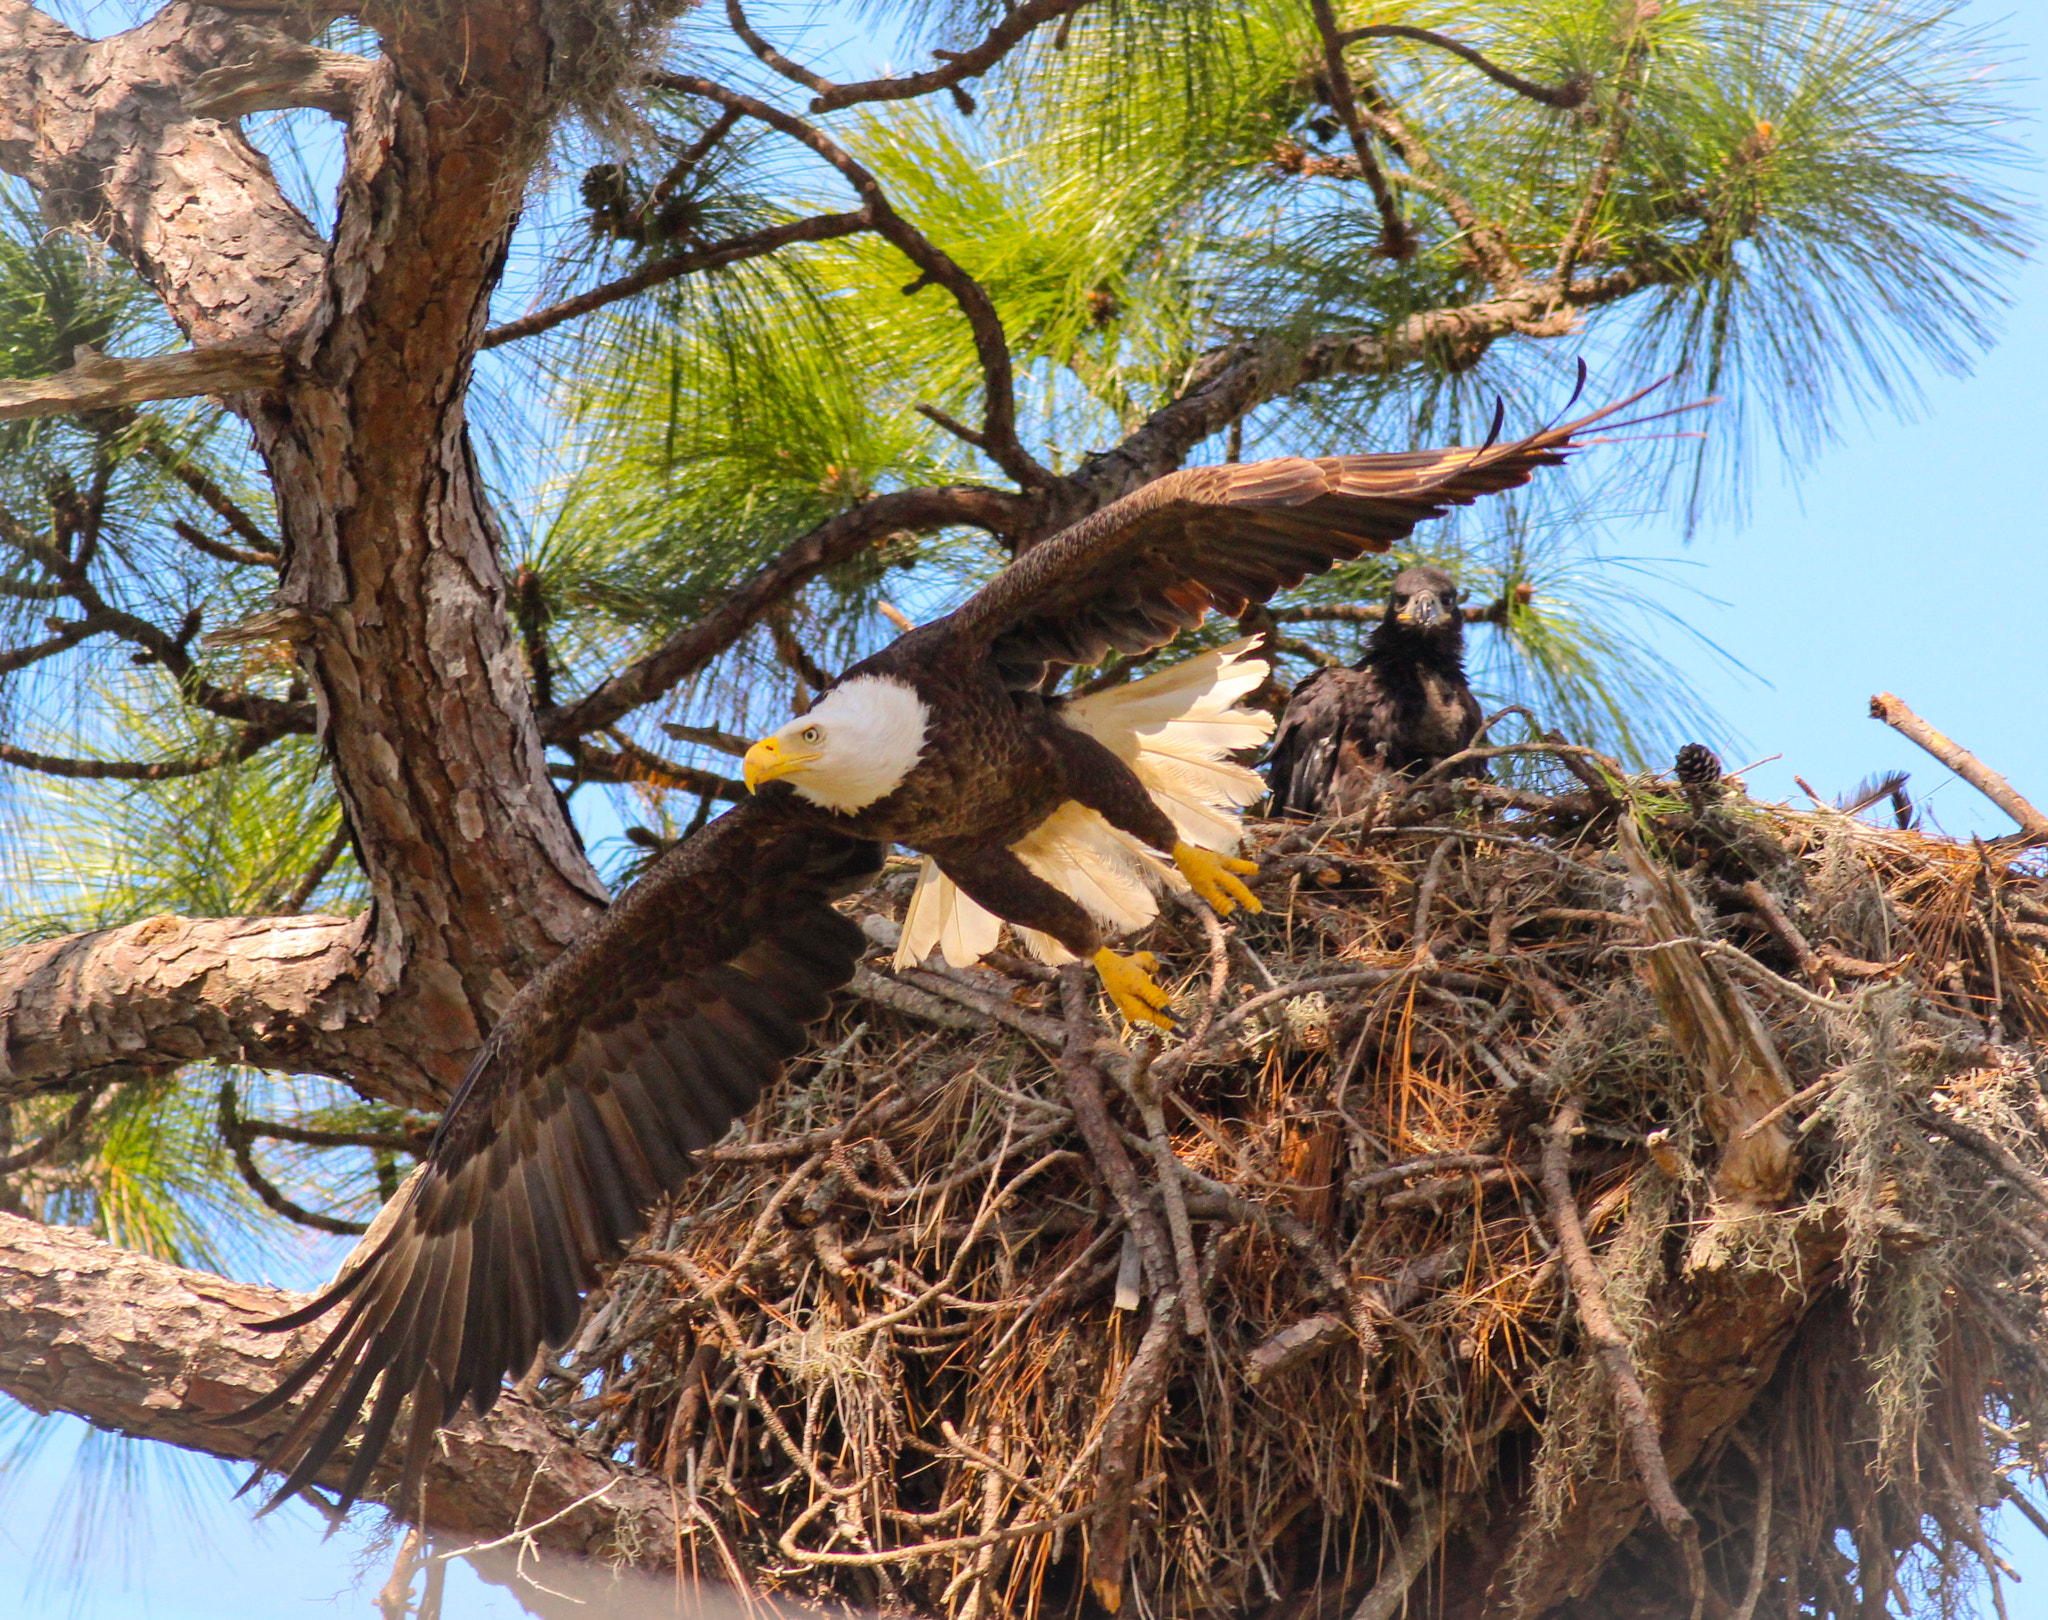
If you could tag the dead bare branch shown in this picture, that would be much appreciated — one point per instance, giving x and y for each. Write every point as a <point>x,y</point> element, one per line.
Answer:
<point>149,1349</point>
<point>288,75</point>
<point>97,382</point>
<point>2033,824</point>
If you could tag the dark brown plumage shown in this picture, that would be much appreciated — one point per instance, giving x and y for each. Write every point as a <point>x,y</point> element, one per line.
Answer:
<point>648,1036</point>
<point>1403,707</point>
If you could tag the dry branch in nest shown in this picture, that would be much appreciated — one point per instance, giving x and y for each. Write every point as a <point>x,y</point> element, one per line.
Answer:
<point>1609,1203</point>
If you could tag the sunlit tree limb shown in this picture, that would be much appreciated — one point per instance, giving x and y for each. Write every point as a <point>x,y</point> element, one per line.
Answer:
<point>271,992</point>
<point>99,381</point>
<point>149,1349</point>
<point>817,228</point>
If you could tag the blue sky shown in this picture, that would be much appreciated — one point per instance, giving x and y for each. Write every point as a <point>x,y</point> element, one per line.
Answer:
<point>1909,558</point>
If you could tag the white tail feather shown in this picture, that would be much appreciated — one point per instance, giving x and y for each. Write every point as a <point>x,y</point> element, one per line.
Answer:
<point>1173,729</point>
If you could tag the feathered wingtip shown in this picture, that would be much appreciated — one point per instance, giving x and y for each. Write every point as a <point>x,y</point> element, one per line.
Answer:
<point>1886,785</point>
<point>346,1287</point>
<point>1604,415</point>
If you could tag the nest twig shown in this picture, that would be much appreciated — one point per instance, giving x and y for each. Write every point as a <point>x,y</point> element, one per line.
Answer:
<point>878,1345</point>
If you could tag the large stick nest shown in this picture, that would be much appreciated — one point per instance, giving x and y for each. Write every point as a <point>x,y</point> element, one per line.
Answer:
<point>997,1308</point>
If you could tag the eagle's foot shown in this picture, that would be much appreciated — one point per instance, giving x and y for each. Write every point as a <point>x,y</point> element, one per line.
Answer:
<point>1128,979</point>
<point>1212,877</point>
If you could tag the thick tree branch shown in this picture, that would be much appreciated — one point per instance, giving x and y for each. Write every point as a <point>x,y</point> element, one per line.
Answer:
<point>817,228</point>
<point>999,419</point>
<point>839,537</point>
<point>152,1350</point>
<point>88,123</point>
<point>99,381</point>
<point>288,75</point>
<point>276,993</point>
<point>1239,377</point>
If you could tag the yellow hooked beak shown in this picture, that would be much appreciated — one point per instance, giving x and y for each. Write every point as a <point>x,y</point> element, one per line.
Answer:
<point>768,759</point>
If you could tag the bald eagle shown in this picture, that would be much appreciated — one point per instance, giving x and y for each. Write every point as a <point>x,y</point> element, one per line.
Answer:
<point>646,1038</point>
<point>1401,708</point>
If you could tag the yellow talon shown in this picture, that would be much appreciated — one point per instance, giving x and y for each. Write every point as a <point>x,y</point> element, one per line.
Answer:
<point>1209,874</point>
<point>1128,979</point>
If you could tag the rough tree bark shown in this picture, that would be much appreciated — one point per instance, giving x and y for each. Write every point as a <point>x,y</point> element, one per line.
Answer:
<point>390,548</point>
<point>355,357</point>
<point>150,1349</point>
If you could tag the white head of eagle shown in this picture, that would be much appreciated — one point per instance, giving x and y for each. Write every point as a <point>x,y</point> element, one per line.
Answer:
<point>856,746</point>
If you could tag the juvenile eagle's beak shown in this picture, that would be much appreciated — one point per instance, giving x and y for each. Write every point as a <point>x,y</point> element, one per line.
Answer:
<point>768,759</point>
<point>1422,612</point>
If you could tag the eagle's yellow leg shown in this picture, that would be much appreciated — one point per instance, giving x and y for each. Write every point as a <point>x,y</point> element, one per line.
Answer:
<point>1211,876</point>
<point>1128,979</point>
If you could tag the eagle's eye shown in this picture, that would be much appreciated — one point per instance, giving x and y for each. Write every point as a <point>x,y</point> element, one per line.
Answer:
<point>812,735</point>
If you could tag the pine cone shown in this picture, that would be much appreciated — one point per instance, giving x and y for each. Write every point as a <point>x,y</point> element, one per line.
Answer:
<point>1698,767</point>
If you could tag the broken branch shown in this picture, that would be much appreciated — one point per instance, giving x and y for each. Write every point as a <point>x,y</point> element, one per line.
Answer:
<point>2033,824</point>
<point>97,381</point>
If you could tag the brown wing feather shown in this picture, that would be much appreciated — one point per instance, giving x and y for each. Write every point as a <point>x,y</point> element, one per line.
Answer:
<point>1133,575</point>
<point>639,1045</point>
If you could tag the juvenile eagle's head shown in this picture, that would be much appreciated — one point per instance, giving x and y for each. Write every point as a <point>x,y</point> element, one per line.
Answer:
<point>856,746</point>
<point>1422,613</point>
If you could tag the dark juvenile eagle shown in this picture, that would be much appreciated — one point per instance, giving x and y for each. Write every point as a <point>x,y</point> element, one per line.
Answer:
<point>1402,707</point>
<point>645,1039</point>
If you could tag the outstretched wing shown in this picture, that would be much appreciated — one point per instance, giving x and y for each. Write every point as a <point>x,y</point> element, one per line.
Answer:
<point>1144,568</point>
<point>638,1045</point>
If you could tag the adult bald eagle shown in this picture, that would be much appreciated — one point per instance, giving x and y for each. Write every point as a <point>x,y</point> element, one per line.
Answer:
<point>648,1036</point>
<point>1402,707</point>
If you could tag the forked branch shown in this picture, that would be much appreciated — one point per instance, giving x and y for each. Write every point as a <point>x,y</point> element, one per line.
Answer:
<point>992,345</point>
